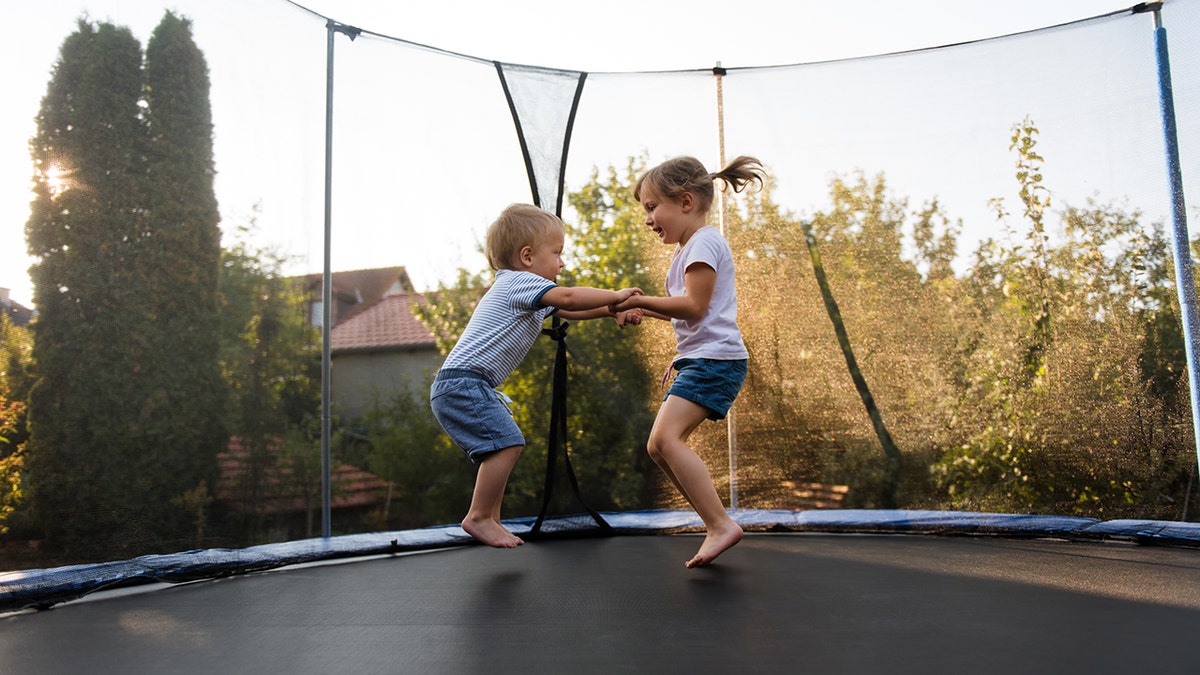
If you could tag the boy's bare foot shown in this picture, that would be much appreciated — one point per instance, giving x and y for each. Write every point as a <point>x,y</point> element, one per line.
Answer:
<point>491,532</point>
<point>716,542</point>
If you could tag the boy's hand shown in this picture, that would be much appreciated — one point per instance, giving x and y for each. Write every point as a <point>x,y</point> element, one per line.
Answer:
<point>623,305</point>
<point>624,294</point>
<point>632,317</point>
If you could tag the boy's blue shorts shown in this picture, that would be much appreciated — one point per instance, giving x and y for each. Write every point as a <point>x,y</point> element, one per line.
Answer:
<point>711,383</point>
<point>475,416</point>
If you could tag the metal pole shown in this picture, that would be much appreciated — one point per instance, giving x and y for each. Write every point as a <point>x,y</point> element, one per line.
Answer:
<point>730,422</point>
<point>1184,278</point>
<point>327,292</point>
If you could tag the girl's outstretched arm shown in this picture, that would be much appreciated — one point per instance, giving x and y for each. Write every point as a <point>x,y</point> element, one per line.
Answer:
<point>698,281</point>
<point>581,299</point>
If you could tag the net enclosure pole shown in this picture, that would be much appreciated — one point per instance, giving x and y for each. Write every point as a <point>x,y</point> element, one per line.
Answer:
<point>730,424</point>
<point>1184,277</point>
<point>332,28</point>
<point>327,291</point>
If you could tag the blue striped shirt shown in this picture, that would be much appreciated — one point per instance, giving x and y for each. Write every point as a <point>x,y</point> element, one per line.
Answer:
<point>503,326</point>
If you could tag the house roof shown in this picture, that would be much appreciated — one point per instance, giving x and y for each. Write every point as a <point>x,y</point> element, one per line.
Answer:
<point>352,487</point>
<point>387,324</point>
<point>362,288</point>
<point>355,290</point>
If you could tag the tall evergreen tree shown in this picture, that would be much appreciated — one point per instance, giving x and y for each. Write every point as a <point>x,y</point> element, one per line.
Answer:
<point>182,259</point>
<point>81,231</point>
<point>123,228</point>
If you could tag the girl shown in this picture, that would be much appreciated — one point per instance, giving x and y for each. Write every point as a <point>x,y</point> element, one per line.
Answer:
<point>701,304</point>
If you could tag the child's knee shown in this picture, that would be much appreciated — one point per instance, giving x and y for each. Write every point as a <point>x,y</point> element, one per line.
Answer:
<point>654,448</point>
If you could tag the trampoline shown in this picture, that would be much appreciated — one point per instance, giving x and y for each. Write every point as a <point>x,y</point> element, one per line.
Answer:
<point>879,590</point>
<point>778,602</point>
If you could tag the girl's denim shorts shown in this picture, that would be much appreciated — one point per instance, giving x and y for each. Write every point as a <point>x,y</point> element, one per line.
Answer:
<point>473,414</point>
<point>711,383</point>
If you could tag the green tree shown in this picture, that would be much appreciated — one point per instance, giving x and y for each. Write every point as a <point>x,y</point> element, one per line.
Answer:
<point>15,346</point>
<point>1071,386</point>
<point>84,225</point>
<point>11,458</point>
<point>176,295</point>
<point>407,448</point>
<point>891,473</point>
<point>124,414</point>
<point>270,363</point>
<point>615,373</point>
<point>16,364</point>
<point>800,418</point>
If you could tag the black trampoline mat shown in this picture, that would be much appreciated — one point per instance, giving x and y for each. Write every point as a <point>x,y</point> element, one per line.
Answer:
<point>792,603</point>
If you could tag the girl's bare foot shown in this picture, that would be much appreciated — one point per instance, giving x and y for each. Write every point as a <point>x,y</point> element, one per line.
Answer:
<point>716,542</point>
<point>491,532</point>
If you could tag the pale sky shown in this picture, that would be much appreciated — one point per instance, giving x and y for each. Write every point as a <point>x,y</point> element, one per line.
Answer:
<point>267,66</point>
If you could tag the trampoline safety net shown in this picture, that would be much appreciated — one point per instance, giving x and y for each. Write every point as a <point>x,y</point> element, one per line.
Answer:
<point>964,250</point>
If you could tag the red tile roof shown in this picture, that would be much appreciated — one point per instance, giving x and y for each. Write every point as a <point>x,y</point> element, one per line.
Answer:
<point>355,290</point>
<point>388,324</point>
<point>351,487</point>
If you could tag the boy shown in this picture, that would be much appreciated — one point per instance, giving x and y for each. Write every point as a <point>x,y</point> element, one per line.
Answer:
<point>524,245</point>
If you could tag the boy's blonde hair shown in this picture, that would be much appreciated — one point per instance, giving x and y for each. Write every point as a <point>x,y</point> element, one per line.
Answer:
<point>676,176</point>
<point>520,225</point>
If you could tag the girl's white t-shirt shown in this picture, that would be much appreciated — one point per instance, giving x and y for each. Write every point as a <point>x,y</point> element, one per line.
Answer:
<point>716,334</point>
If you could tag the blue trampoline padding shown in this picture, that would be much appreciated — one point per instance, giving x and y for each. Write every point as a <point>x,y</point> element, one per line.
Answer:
<point>942,522</point>
<point>1149,531</point>
<point>41,588</point>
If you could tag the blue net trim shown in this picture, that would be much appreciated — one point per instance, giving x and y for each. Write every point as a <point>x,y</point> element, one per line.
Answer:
<point>43,588</point>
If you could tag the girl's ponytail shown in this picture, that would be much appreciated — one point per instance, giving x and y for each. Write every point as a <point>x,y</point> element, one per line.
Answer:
<point>740,172</point>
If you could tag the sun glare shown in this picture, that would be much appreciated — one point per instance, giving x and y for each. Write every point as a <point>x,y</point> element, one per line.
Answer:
<point>58,179</point>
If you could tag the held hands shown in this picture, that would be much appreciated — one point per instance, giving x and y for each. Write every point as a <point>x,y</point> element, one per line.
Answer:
<point>625,303</point>
<point>631,317</point>
<point>624,294</point>
<point>626,316</point>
